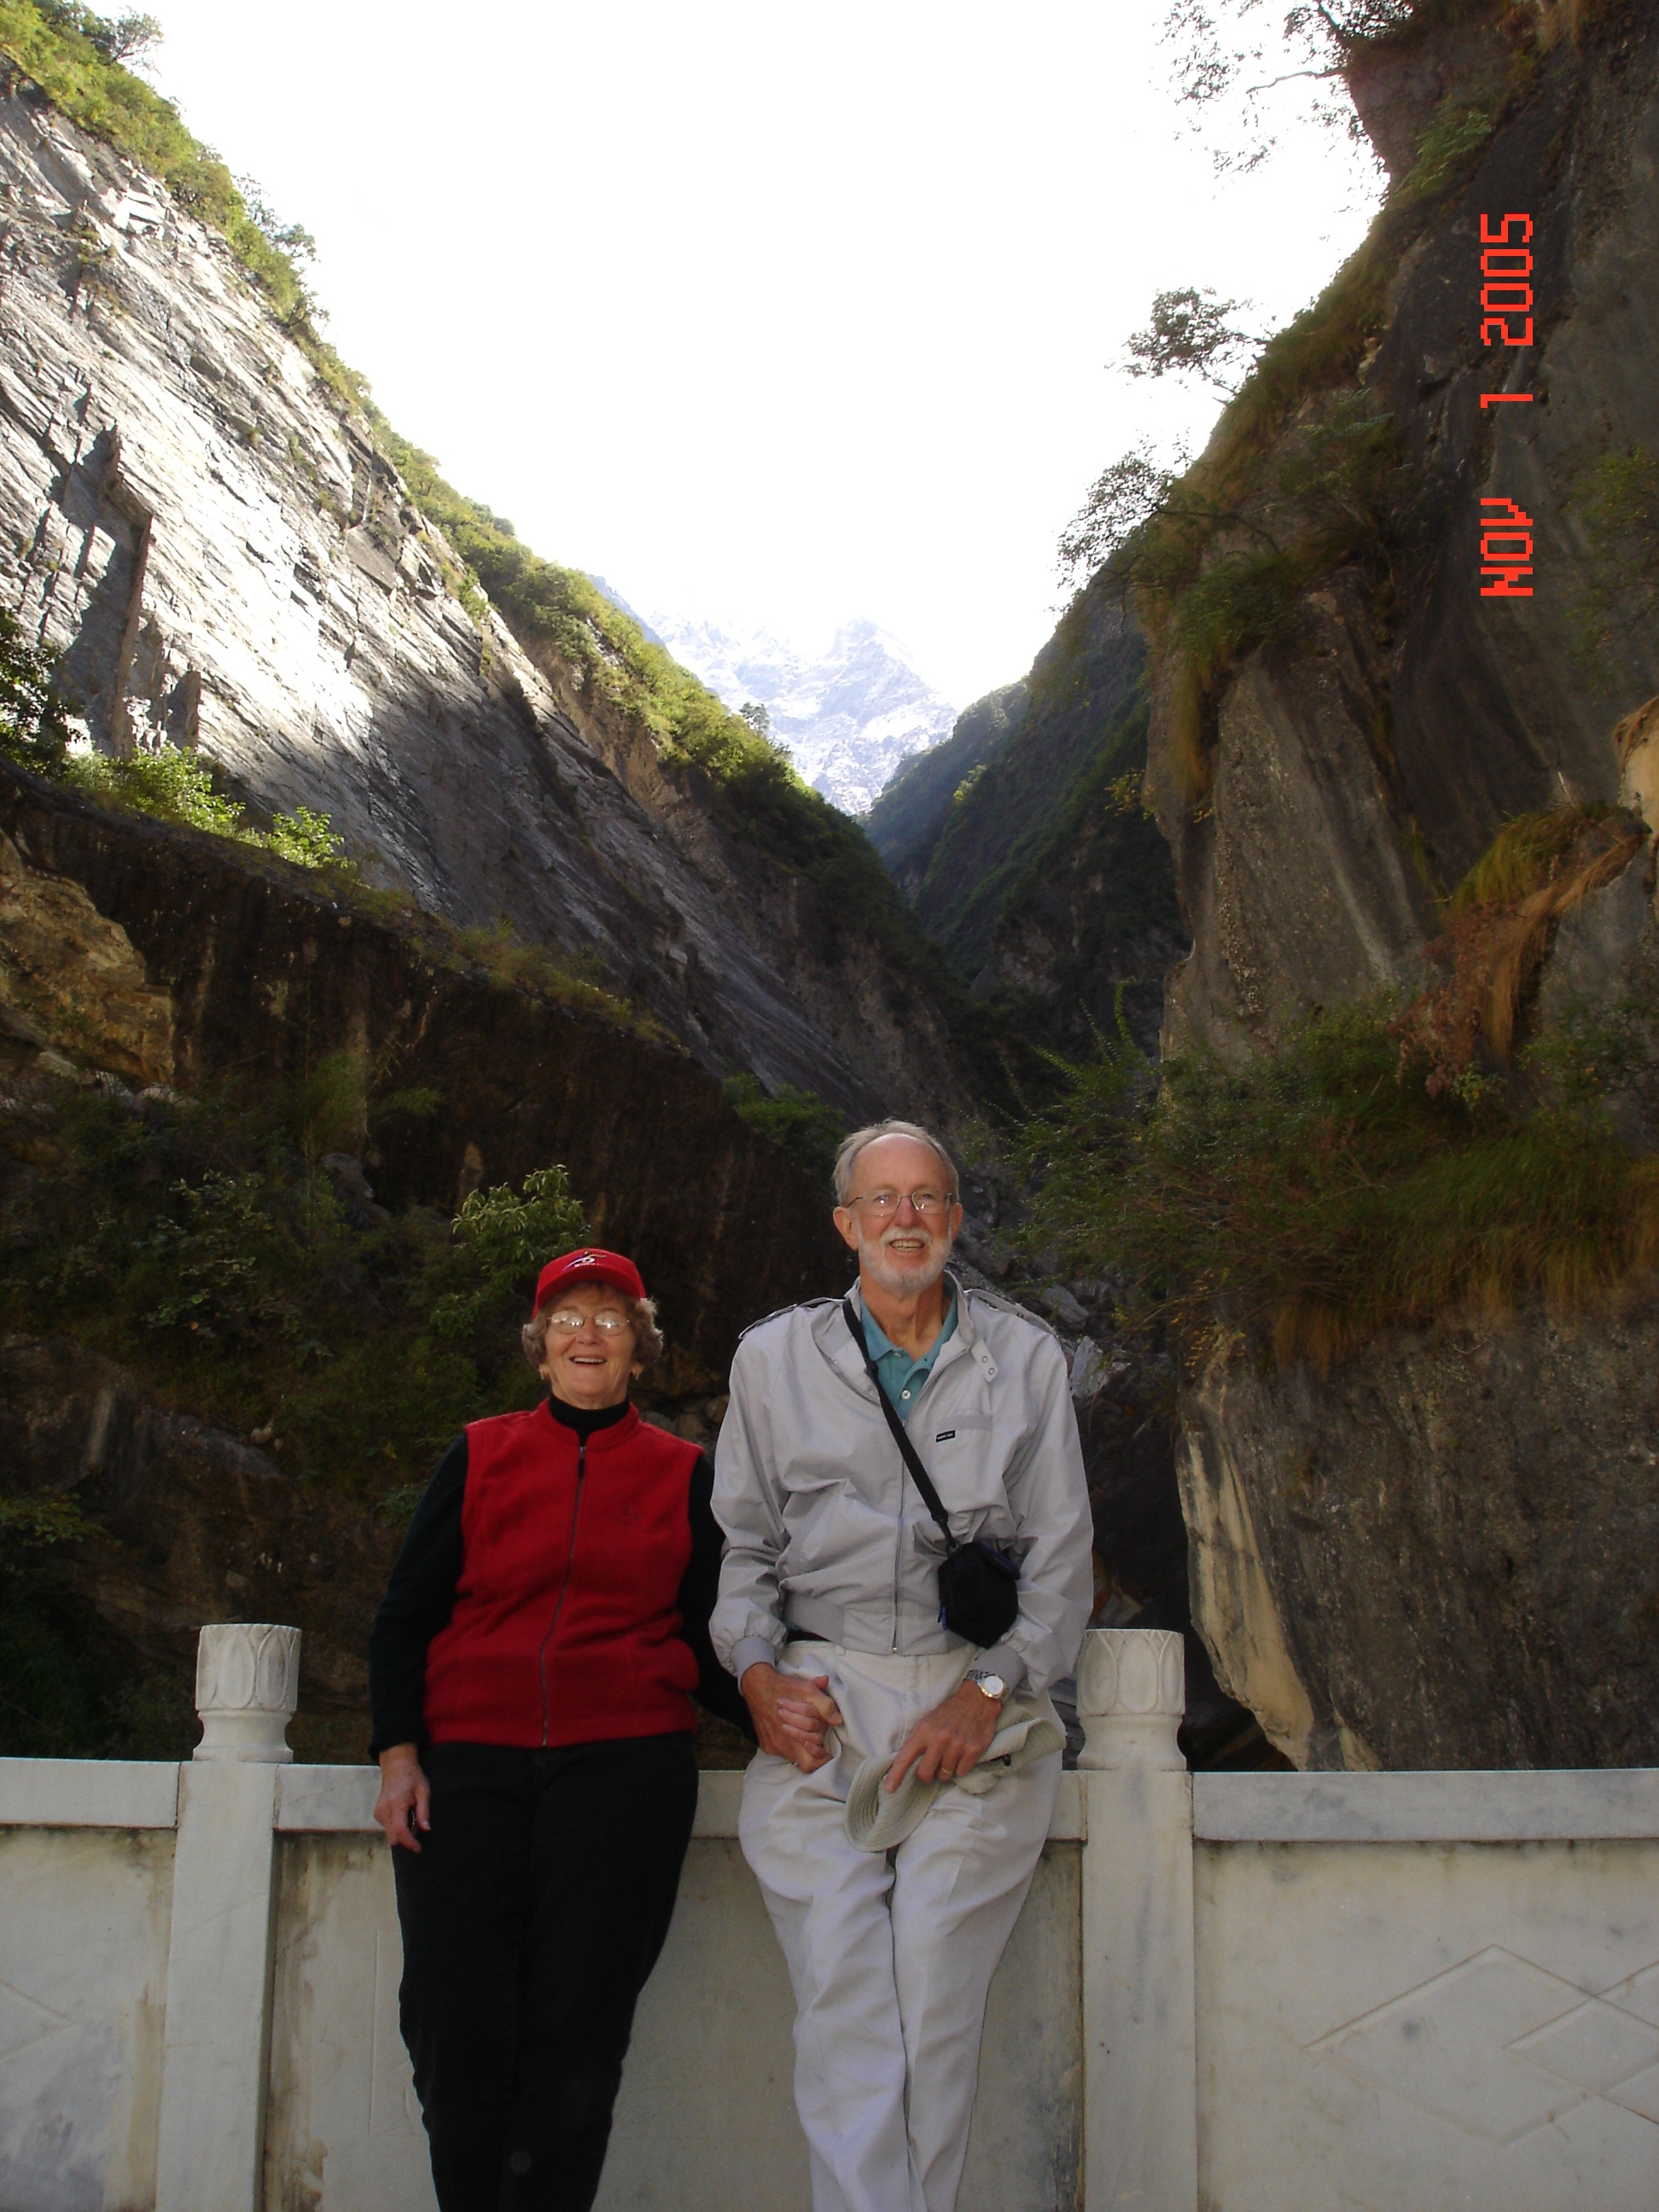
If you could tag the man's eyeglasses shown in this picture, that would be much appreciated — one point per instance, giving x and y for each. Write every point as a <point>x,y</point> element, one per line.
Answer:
<point>608,1324</point>
<point>884,1203</point>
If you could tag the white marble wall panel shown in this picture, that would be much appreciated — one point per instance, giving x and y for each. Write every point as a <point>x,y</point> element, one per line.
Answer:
<point>1384,2025</point>
<point>706,2122</point>
<point>83,1967</point>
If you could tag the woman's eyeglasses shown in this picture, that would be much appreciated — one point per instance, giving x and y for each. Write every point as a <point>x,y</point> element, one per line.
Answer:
<point>608,1324</point>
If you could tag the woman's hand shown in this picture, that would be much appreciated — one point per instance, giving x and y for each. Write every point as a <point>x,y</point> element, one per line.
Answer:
<point>951,1740</point>
<point>791,1713</point>
<point>405,1803</point>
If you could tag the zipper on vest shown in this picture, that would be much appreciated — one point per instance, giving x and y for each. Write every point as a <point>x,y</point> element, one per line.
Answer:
<point>570,1561</point>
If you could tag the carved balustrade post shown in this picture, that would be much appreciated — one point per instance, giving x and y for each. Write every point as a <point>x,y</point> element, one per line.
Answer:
<point>221,1951</point>
<point>1140,2082</point>
<point>247,1690</point>
<point>1131,1699</point>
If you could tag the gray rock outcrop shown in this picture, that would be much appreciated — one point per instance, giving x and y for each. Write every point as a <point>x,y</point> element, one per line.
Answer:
<point>1365,760</point>
<point>225,558</point>
<point>1446,1552</point>
<point>1441,1553</point>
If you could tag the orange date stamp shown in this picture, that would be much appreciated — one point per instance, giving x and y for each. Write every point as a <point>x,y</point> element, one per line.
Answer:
<point>1506,307</point>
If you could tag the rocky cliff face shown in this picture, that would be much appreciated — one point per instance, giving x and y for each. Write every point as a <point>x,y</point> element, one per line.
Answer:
<point>1025,849</point>
<point>219,548</point>
<point>134,955</point>
<point>1437,1553</point>
<point>1366,756</point>
<point>1446,1554</point>
<point>165,956</point>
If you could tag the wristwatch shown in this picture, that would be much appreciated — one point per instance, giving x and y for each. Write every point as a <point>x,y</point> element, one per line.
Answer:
<point>992,1685</point>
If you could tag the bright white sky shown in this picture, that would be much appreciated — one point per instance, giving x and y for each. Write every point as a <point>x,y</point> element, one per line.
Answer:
<point>773,315</point>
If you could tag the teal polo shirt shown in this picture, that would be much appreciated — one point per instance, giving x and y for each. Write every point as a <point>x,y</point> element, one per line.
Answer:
<point>902,1377</point>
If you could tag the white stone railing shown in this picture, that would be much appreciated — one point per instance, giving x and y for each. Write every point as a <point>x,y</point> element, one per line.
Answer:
<point>1253,1993</point>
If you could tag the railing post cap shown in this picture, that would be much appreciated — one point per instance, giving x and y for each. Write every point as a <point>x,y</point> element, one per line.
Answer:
<point>1131,1696</point>
<point>247,1689</point>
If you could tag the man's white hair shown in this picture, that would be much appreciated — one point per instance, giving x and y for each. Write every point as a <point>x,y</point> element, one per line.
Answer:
<point>847,1158</point>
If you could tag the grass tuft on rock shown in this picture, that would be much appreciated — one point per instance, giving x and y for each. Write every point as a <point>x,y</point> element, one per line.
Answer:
<point>1501,919</point>
<point>1322,1194</point>
<point>808,1128</point>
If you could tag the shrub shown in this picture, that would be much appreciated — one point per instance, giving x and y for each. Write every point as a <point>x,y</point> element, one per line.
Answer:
<point>1322,1194</point>
<point>1459,134</point>
<point>32,730</point>
<point>171,785</point>
<point>1502,918</point>
<point>206,1248</point>
<point>178,787</point>
<point>799,1120</point>
<point>305,839</point>
<point>504,1239</point>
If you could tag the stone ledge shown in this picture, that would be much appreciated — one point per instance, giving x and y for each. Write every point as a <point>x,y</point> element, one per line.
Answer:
<point>1565,1805</point>
<point>108,1793</point>
<point>88,1793</point>
<point>327,1800</point>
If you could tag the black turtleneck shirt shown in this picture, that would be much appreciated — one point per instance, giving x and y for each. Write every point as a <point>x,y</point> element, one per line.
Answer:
<point>421,1594</point>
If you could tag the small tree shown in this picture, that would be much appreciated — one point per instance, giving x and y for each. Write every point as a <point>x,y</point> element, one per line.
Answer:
<point>32,730</point>
<point>124,39</point>
<point>758,717</point>
<point>1189,335</point>
<point>1225,50</point>
<point>290,238</point>
<point>1124,498</point>
<point>503,1239</point>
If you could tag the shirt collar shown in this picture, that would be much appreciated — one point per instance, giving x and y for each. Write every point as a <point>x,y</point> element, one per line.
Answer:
<point>881,1344</point>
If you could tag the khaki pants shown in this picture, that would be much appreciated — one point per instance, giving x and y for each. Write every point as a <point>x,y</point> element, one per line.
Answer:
<point>891,1955</point>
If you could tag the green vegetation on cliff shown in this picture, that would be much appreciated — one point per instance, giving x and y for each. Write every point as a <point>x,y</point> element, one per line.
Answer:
<point>215,1248</point>
<point>241,1274</point>
<point>1302,474</point>
<point>1392,1163</point>
<point>906,822</point>
<point>1323,1193</point>
<point>807,1129</point>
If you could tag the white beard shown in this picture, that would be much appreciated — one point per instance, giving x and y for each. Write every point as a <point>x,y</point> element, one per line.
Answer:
<point>901,1282</point>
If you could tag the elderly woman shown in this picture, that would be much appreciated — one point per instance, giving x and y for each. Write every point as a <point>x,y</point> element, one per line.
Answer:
<point>531,1672</point>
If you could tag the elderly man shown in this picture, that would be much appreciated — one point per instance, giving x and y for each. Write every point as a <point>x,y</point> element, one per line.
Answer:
<point>830,1616</point>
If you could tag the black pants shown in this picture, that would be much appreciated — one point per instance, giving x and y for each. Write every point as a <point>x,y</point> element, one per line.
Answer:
<point>530,1919</point>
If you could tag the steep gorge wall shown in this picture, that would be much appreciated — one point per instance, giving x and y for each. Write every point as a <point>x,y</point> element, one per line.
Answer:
<point>1438,1554</point>
<point>1363,761</point>
<point>218,546</point>
<point>1445,1554</point>
<point>168,955</point>
<point>163,956</point>
<point>1023,848</point>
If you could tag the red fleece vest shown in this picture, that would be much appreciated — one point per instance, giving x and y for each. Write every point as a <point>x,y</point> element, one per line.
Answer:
<point>565,1625</point>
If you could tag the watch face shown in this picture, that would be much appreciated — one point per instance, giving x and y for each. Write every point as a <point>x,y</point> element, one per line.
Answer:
<point>993,1684</point>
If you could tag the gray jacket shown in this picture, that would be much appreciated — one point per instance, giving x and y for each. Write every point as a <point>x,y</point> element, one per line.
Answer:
<point>825,1529</point>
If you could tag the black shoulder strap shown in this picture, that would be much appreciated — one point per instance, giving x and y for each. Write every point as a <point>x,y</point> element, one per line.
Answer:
<point>919,1474</point>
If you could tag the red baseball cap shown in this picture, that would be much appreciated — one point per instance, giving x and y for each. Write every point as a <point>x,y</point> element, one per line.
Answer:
<point>588,1265</point>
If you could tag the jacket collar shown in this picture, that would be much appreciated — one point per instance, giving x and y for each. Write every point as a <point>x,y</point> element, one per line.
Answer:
<point>964,1341</point>
<point>599,1440</point>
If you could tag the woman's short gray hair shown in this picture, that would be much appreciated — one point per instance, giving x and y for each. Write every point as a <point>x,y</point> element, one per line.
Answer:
<point>848,1157</point>
<point>641,1313</point>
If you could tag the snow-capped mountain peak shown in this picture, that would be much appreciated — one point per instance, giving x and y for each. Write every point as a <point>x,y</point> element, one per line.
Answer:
<point>848,718</point>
